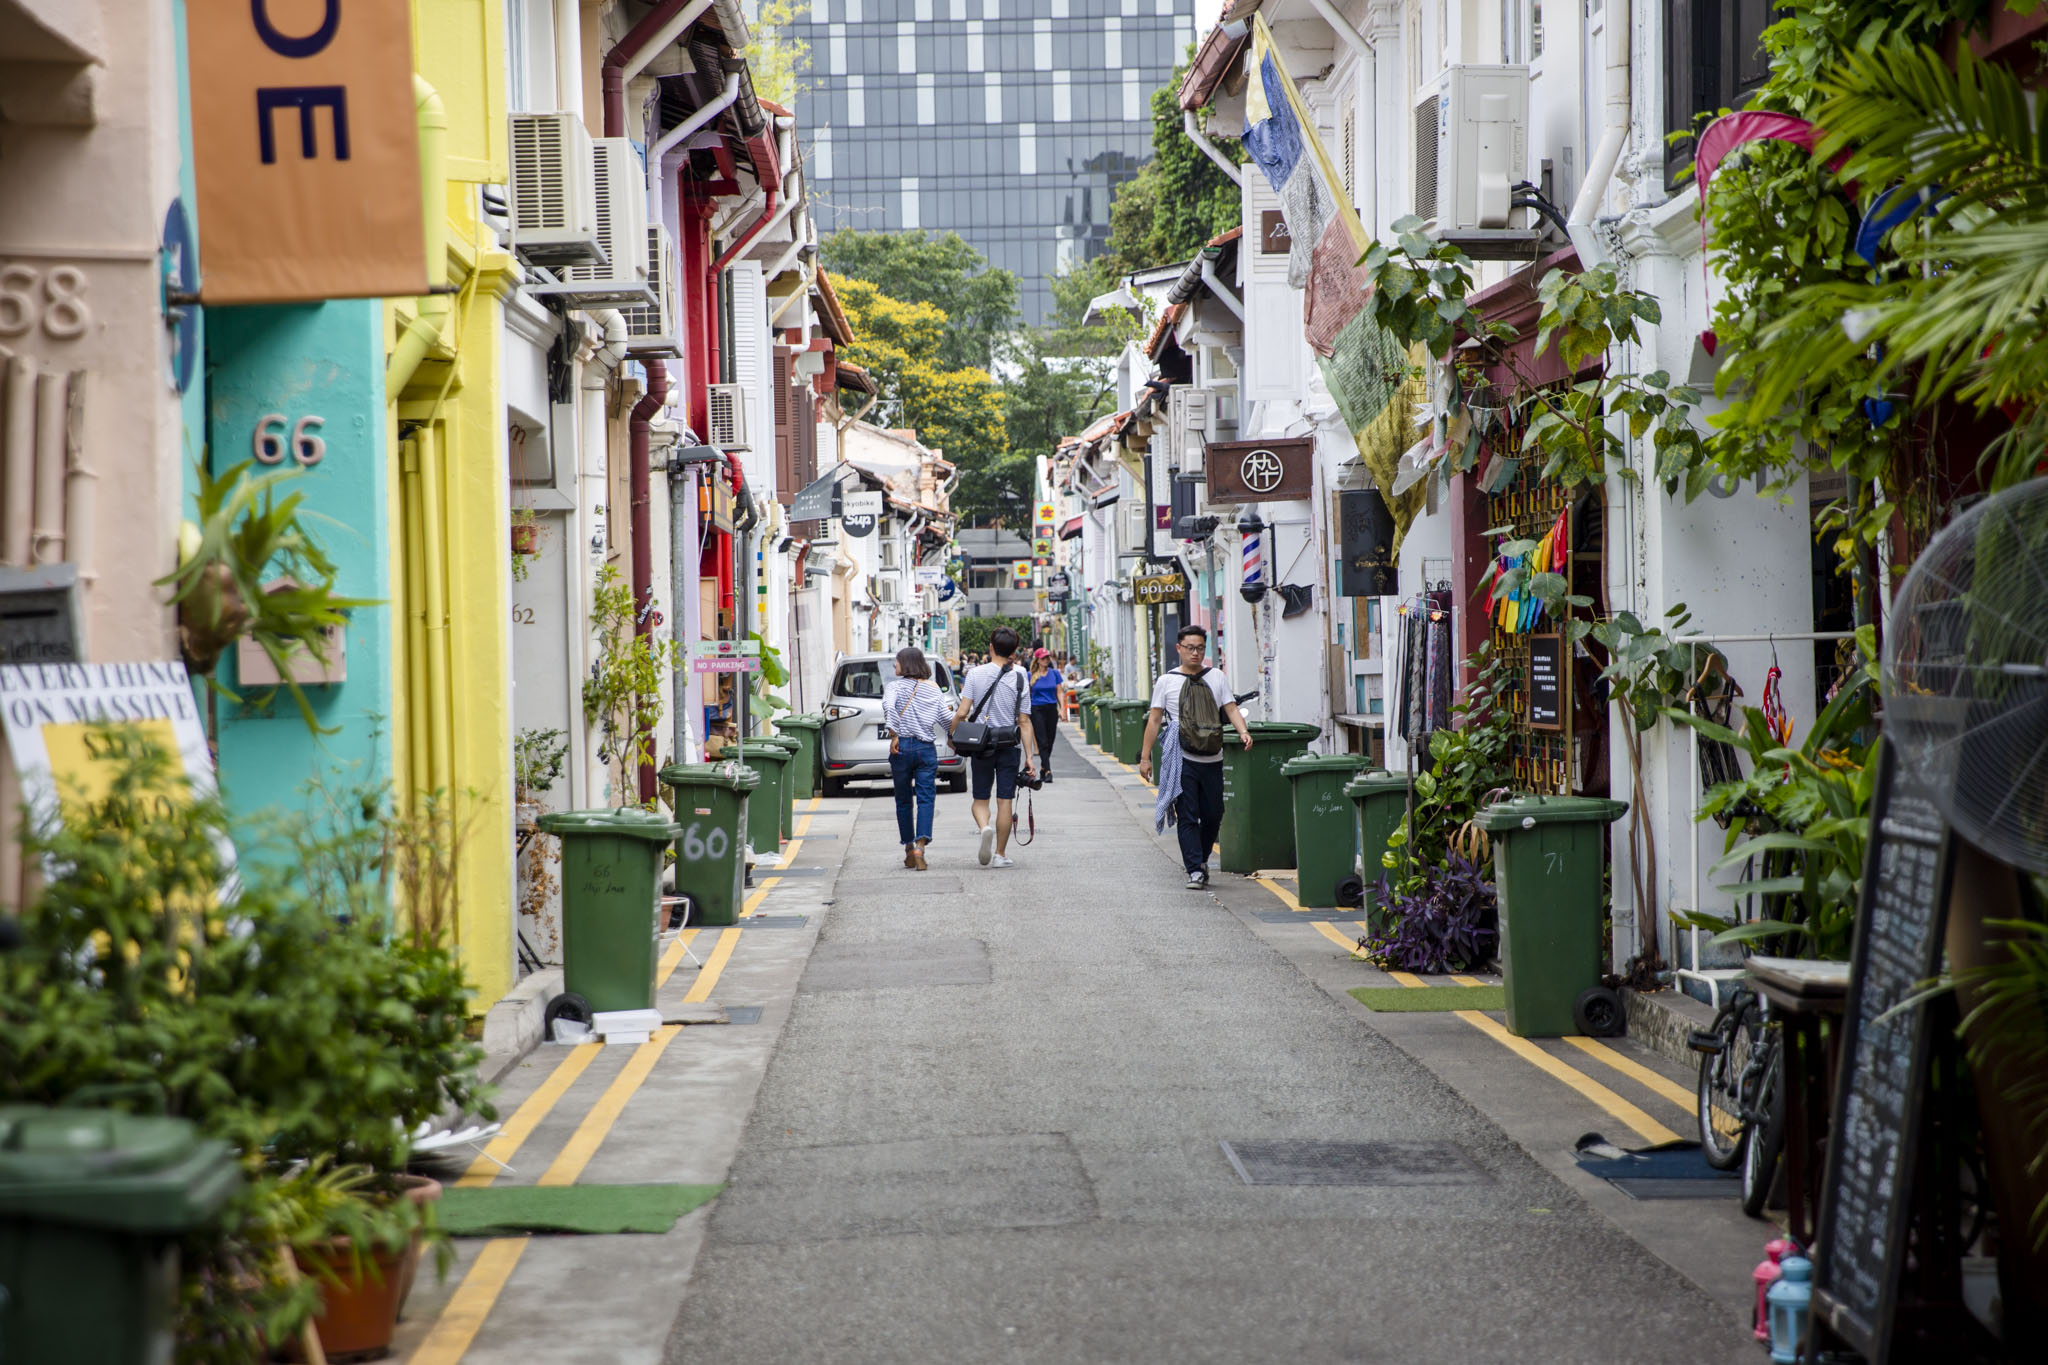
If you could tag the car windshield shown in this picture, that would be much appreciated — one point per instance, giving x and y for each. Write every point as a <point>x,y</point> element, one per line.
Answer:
<point>867,677</point>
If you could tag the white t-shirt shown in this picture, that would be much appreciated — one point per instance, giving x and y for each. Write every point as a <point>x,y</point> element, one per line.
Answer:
<point>1003,707</point>
<point>1166,697</point>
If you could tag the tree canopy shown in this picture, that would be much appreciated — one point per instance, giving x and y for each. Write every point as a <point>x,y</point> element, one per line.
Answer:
<point>978,300</point>
<point>1179,199</point>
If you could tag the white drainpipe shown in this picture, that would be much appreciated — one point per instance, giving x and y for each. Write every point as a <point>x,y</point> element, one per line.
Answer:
<point>686,129</point>
<point>1209,149</point>
<point>1613,137</point>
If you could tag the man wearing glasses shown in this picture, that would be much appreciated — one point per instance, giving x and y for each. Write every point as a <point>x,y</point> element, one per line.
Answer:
<point>1191,760</point>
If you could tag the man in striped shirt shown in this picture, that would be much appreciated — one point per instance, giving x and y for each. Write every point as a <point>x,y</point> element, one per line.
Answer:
<point>1004,684</point>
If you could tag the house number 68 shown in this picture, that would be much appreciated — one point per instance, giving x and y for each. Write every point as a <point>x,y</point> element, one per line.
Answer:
<point>304,444</point>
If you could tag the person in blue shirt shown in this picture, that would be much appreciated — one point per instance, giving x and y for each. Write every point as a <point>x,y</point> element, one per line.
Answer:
<point>1045,705</point>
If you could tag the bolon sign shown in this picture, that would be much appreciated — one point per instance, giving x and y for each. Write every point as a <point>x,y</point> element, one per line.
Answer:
<point>305,150</point>
<point>1259,471</point>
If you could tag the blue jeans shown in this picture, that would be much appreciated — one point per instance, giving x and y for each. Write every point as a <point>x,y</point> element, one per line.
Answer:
<point>915,766</point>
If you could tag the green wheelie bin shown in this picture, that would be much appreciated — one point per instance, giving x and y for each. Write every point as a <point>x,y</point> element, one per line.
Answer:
<point>611,882</point>
<point>765,807</point>
<point>803,774</point>
<point>92,1204</point>
<point>1258,818</point>
<point>1091,721</point>
<point>1548,857</point>
<point>1379,800</point>
<point>1325,829</point>
<point>1130,729</point>
<point>792,746</point>
<point>711,801</point>
<point>1105,722</point>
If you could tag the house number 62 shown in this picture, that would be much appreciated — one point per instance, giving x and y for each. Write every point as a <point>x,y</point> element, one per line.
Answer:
<point>304,444</point>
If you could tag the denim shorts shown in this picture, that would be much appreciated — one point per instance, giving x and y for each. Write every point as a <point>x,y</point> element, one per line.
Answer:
<point>997,770</point>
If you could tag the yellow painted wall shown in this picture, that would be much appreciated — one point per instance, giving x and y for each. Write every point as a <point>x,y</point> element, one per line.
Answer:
<point>451,709</point>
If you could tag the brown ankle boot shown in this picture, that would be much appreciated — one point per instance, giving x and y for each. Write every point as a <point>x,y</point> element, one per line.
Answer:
<point>917,859</point>
<point>910,855</point>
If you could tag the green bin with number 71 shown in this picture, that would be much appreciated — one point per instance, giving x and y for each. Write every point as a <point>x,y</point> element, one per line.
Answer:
<point>711,850</point>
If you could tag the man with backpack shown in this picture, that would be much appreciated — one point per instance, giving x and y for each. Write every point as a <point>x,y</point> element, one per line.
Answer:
<point>992,728</point>
<point>1193,702</point>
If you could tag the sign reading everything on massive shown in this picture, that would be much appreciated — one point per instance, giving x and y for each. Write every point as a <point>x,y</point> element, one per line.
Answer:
<point>53,712</point>
<point>1259,471</point>
<point>305,150</point>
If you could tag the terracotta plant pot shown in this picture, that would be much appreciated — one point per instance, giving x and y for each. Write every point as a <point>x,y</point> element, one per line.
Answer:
<point>525,538</point>
<point>360,1308</point>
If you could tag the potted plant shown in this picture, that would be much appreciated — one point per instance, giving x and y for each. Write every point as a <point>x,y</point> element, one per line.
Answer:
<point>525,541</point>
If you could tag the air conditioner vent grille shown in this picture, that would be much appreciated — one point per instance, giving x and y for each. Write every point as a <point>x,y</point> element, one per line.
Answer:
<point>537,156</point>
<point>1426,138</point>
<point>725,416</point>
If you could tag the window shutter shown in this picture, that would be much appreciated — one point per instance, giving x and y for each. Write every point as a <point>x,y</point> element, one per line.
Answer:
<point>785,437</point>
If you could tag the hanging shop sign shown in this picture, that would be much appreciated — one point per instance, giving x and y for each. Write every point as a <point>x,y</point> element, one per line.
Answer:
<point>714,503</point>
<point>1158,589</point>
<point>1020,573</point>
<point>861,513</point>
<point>1259,471</point>
<point>930,575</point>
<point>1365,540</point>
<point>1046,512</point>
<point>817,500</point>
<point>1041,548</point>
<point>305,151</point>
<point>1273,238</point>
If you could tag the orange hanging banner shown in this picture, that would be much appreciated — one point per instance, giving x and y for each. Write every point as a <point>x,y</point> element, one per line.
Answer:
<point>305,150</point>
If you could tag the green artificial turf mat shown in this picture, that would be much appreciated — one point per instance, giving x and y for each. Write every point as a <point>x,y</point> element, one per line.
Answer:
<point>506,1210</point>
<point>1410,999</point>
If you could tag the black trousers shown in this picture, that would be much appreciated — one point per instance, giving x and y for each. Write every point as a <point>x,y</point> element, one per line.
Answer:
<point>1045,723</point>
<point>1199,818</point>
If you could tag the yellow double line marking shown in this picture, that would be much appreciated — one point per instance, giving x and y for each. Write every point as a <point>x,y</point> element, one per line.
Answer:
<point>1614,1104</point>
<point>492,1269</point>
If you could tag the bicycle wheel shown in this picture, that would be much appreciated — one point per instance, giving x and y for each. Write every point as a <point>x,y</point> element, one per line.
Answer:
<point>1726,1050</point>
<point>1766,1135</point>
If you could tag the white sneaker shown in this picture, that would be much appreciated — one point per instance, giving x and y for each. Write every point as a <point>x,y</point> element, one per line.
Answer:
<point>1000,861</point>
<point>988,845</point>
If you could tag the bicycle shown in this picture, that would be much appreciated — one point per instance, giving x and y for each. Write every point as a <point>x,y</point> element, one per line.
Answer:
<point>1741,1095</point>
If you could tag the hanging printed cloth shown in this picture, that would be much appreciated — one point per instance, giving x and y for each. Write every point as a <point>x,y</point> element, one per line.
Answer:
<point>1441,667</point>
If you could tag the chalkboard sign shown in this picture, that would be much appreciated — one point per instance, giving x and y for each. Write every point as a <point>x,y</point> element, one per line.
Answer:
<point>1546,682</point>
<point>1866,1195</point>
<point>1365,544</point>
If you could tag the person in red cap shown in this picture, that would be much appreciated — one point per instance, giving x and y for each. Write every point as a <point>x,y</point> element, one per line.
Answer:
<point>1045,705</point>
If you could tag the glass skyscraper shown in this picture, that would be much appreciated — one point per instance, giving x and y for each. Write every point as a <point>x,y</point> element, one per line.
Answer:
<point>1006,121</point>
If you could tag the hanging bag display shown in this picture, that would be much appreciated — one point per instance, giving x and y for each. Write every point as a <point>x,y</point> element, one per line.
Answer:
<point>976,740</point>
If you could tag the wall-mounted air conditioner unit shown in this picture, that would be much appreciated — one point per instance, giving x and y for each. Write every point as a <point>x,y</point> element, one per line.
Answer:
<point>725,418</point>
<point>651,329</point>
<point>889,591</point>
<point>1189,414</point>
<point>551,196</point>
<point>892,552</point>
<point>1134,523</point>
<point>621,227</point>
<point>1471,147</point>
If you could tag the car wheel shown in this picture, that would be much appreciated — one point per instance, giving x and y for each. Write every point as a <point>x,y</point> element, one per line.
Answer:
<point>957,783</point>
<point>835,787</point>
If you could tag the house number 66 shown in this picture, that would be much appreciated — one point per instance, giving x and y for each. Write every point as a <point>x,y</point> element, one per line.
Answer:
<point>304,444</point>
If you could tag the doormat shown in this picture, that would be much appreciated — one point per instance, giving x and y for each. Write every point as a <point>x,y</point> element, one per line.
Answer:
<point>1430,999</point>
<point>1676,1170</point>
<point>506,1210</point>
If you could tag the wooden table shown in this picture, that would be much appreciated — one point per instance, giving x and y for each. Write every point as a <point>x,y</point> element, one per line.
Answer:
<point>1801,994</point>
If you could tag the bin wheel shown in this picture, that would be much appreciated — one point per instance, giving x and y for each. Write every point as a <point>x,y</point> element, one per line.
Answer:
<point>1351,890</point>
<point>1598,1013</point>
<point>567,1005</point>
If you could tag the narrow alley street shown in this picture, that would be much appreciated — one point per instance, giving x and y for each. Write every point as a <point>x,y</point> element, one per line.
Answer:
<point>991,1127</point>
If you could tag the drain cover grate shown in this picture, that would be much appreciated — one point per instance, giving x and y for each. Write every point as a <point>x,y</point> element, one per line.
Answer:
<point>742,1014</point>
<point>1297,1162</point>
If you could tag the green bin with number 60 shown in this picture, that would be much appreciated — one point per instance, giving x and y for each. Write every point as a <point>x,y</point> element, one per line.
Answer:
<point>611,902</point>
<point>711,852</point>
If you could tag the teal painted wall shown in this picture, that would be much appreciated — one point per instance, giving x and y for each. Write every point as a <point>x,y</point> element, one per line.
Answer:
<point>322,360</point>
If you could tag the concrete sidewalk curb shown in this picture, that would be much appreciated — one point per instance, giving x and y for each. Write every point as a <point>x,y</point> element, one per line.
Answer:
<point>513,1026</point>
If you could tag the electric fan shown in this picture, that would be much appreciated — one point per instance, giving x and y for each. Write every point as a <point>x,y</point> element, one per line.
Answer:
<point>1966,674</point>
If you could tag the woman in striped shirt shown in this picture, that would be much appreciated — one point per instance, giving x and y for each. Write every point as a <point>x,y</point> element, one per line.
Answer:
<point>914,709</point>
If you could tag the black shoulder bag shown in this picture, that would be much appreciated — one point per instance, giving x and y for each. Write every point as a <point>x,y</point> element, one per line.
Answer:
<point>976,740</point>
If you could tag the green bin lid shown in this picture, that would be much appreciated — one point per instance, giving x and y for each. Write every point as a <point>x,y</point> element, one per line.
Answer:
<point>1303,764</point>
<point>1126,704</point>
<point>98,1168</point>
<point>626,821</point>
<point>1526,812</point>
<point>1374,782</point>
<point>731,776</point>
<point>800,722</point>
<point>789,744</point>
<point>763,748</point>
<point>1281,729</point>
